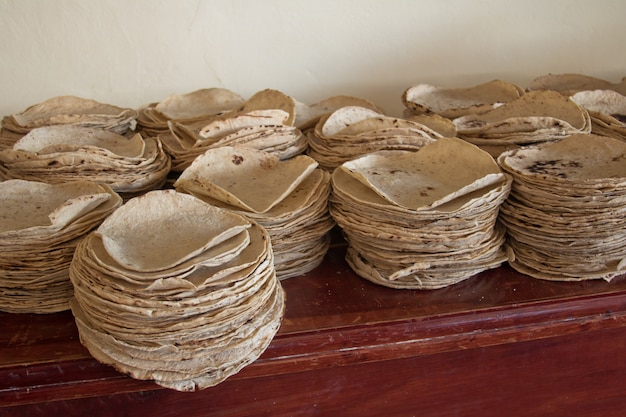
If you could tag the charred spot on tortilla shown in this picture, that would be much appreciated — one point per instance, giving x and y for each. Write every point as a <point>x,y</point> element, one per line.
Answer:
<point>549,167</point>
<point>237,159</point>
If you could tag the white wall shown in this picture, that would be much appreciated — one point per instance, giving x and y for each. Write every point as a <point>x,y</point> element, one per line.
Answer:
<point>131,52</point>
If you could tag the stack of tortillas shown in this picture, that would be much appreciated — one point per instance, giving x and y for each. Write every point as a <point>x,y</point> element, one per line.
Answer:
<point>607,109</point>
<point>605,101</point>
<point>66,110</point>
<point>197,106</point>
<point>424,219</point>
<point>537,116</point>
<point>566,215</point>
<point>265,121</point>
<point>307,115</point>
<point>288,198</point>
<point>174,290</point>
<point>57,154</point>
<point>452,103</point>
<point>351,131</point>
<point>40,226</point>
<point>570,83</point>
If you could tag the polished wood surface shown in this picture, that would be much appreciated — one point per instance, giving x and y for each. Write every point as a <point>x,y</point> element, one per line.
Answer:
<point>498,344</point>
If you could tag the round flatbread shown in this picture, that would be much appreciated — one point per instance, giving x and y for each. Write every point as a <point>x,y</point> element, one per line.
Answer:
<point>246,178</point>
<point>436,174</point>
<point>163,228</point>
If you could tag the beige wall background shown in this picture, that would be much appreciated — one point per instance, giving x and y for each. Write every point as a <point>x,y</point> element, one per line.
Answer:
<point>132,52</point>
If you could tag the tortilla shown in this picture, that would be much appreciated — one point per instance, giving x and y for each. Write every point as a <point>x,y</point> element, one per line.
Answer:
<point>307,116</point>
<point>250,179</point>
<point>456,102</point>
<point>198,104</point>
<point>570,161</point>
<point>263,117</point>
<point>67,138</point>
<point>434,175</point>
<point>343,117</point>
<point>139,235</point>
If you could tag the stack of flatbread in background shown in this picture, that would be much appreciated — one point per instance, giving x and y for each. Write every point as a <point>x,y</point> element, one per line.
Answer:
<point>190,108</point>
<point>537,116</point>
<point>288,198</point>
<point>265,121</point>
<point>452,103</point>
<point>352,131</point>
<point>174,290</point>
<point>605,101</point>
<point>66,110</point>
<point>566,214</point>
<point>40,227</point>
<point>57,154</point>
<point>424,219</point>
<point>570,83</point>
<point>307,115</point>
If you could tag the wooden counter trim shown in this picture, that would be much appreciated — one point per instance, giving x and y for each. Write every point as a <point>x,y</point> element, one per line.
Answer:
<point>80,376</point>
<point>411,338</point>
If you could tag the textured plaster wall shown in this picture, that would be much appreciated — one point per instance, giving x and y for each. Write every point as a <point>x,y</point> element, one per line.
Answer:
<point>131,52</point>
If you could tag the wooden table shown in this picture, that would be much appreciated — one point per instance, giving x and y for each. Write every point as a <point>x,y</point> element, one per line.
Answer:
<point>498,344</point>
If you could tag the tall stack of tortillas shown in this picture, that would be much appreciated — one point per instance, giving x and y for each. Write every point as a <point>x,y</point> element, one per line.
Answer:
<point>174,290</point>
<point>288,198</point>
<point>424,219</point>
<point>566,215</point>
<point>57,154</point>
<point>40,226</point>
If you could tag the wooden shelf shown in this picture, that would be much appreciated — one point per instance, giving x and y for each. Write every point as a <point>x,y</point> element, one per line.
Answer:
<point>498,344</point>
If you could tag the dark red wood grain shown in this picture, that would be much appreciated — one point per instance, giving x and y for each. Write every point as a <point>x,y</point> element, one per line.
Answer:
<point>498,344</point>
